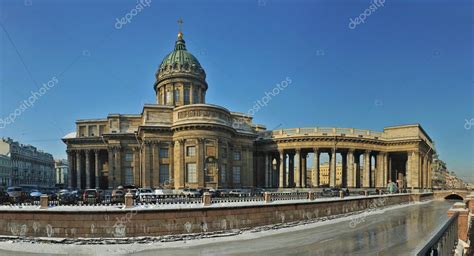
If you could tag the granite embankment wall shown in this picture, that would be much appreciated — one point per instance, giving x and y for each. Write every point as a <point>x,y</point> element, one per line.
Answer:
<point>114,222</point>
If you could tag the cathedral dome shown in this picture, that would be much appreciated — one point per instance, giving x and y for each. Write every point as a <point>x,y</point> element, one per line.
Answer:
<point>180,63</point>
<point>180,79</point>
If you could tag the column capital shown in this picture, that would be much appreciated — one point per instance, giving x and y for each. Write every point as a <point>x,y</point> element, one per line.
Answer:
<point>96,150</point>
<point>351,150</point>
<point>298,150</point>
<point>70,151</point>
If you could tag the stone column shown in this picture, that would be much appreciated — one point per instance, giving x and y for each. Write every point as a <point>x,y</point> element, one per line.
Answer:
<point>304,171</point>
<point>350,169</point>
<point>281,184</point>
<point>409,170</point>
<point>70,162</point>
<point>78,169</point>
<point>344,171</point>
<point>88,168</point>
<point>267,172</point>
<point>155,175</point>
<point>379,162</point>
<point>200,163</point>
<point>366,181</point>
<point>136,165</point>
<point>290,178</point>
<point>315,174</point>
<point>97,167</point>
<point>146,172</point>
<point>297,168</point>
<point>171,164</point>
<point>111,168</point>
<point>332,168</point>
<point>180,173</point>
<point>118,166</point>
<point>385,170</point>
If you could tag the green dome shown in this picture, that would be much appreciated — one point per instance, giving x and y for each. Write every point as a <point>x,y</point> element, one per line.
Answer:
<point>180,62</point>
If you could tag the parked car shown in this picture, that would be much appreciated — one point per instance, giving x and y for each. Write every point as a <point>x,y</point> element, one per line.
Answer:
<point>222,192</point>
<point>4,197</point>
<point>118,196</point>
<point>193,192</point>
<point>134,192</point>
<point>91,196</point>
<point>163,192</point>
<point>35,195</point>
<point>211,191</point>
<point>239,193</point>
<point>15,194</point>
<point>145,194</point>
<point>259,191</point>
<point>65,196</point>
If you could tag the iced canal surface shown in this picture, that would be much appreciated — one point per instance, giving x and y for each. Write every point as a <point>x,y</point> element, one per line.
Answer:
<point>394,231</point>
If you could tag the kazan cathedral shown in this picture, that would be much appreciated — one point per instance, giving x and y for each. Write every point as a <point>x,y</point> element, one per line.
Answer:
<point>183,142</point>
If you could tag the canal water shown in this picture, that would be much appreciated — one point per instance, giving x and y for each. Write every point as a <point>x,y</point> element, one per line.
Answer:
<point>392,232</point>
<point>397,231</point>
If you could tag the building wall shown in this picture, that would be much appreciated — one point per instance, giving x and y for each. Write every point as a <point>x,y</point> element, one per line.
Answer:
<point>29,165</point>
<point>5,171</point>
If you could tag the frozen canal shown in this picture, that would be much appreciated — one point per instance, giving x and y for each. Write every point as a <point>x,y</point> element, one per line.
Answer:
<point>388,232</point>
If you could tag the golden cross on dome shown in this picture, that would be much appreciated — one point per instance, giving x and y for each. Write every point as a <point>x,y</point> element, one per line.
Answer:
<point>180,22</point>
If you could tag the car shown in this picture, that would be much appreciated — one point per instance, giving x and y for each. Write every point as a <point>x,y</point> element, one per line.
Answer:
<point>259,191</point>
<point>118,196</point>
<point>192,192</point>
<point>134,192</point>
<point>4,197</point>
<point>239,193</point>
<point>222,192</point>
<point>91,196</point>
<point>211,191</point>
<point>145,194</point>
<point>65,196</point>
<point>163,192</point>
<point>16,194</point>
<point>35,195</point>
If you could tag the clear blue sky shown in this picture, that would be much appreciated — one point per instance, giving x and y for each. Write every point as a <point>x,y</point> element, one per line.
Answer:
<point>410,62</point>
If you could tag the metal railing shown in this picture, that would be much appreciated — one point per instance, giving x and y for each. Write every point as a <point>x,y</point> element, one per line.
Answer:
<point>444,241</point>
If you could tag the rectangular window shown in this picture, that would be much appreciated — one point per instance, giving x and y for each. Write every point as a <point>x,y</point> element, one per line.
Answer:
<point>191,151</point>
<point>169,98</point>
<point>224,152</point>
<point>164,152</point>
<point>186,95</point>
<point>236,175</point>
<point>237,155</point>
<point>176,96</point>
<point>128,157</point>
<point>191,173</point>
<point>165,174</point>
<point>223,173</point>
<point>128,176</point>
<point>195,96</point>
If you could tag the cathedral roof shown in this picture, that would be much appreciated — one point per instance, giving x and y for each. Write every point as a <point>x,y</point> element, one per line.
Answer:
<point>180,62</point>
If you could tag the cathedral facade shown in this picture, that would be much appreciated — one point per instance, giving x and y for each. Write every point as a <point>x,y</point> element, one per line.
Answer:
<point>183,142</point>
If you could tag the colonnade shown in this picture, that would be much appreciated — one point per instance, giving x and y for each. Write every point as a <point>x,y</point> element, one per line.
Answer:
<point>288,168</point>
